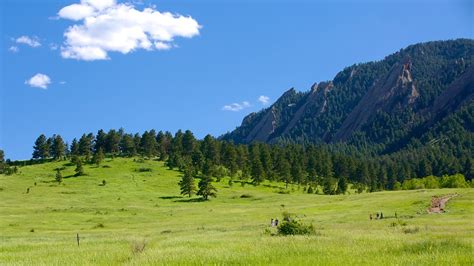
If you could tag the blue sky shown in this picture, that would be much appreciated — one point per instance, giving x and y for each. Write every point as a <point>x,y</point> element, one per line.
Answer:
<point>240,51</point>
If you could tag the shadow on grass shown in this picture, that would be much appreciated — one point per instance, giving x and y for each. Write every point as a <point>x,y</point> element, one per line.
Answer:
<point>191,200</point>
<point>73,176</point>
<point>170,197</point>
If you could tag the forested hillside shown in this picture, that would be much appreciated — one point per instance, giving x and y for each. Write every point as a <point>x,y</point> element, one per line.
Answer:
<point>418,98</point>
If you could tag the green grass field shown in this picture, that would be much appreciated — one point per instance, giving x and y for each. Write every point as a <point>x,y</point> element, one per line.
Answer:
<point>136,208</point>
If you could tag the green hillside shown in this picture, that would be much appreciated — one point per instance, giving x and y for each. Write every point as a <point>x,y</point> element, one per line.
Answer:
<point>140,218</point>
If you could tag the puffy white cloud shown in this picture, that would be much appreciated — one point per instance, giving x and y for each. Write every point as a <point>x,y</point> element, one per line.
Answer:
<point>39,81</point>
<point>235,107</point>
<point>264,99</point>
<point>14,49</point>
<point>108,26</point>
<point>30,41</point>
<point>76,12</point>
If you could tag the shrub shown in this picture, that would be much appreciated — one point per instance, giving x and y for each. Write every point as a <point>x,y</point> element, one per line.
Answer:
<point>310,190</point>
<point>294,227</point>
<point>246,196</point>
<point>454,181</point>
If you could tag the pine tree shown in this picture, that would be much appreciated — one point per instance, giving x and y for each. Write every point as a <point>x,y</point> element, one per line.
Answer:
<point>85,145</point>
<point>206,189</point>
<point>188,143</point>
<point>187,183</point>
<point>58,148</point>
<point>98,156</point>
<point>100,140</point>
<point>41,148</point>
<point>283,168</point>
<point>59,176</point>
<point>74,147</point>
<point>79,169</point>
<point>341,186</point>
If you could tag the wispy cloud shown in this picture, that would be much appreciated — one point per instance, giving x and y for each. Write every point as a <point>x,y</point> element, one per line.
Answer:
<point>30,41</point>
<point>108,26</point>
<point>264,99</point>
<point>14,49</point>
<point>39,81</point>
<point>235,107</point>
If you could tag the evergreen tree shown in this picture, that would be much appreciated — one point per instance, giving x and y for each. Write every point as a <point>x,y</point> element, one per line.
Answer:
<point>187,183</point>
<point>79,169</point>
<point>188,143</point>
<point>148,144</point>
<point>127,145</point>
<point>74,147</point>
<point>98,156</point>
<point>112,143</point>
<point>85,145</point>
<point>284,170</point>
<point>58,147</point>
<point>41,148</point>
<point>206,189</point>
<point>341,185</point>
<point>100,140</point>
<point>329,186</point>
<point>59,176</point>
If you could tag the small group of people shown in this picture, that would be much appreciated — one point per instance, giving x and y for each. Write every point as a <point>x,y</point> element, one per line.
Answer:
<point>274,222</point>
<point>378,216</point>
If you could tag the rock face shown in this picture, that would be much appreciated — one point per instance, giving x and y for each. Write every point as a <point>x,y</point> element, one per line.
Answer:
<point>386,102</point>
<point>394,90</point>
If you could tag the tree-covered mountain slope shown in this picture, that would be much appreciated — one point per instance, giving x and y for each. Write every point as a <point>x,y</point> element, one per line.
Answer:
<point>404,99</point>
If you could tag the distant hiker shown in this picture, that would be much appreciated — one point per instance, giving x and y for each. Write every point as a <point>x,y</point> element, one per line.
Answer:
<point>276,222</point>
<point>377,216</point>
<point>381,215</point>
<point>272,223</point>
<point>396,216</point>
<point>27,190</point>
<point>370,216</point>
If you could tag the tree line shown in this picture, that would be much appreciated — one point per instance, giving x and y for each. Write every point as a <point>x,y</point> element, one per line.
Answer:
<point>314,166</point>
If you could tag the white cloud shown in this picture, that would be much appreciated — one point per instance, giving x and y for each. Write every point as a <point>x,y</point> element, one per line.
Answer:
<point>53,46</point>
<point>235,107</point>
<point>30,41</point>
<point>107,26</point>
<point>264,99</point>
<point>14,49</point>
<point>39,81</point>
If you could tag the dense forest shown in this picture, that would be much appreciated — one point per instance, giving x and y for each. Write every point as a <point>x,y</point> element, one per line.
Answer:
<point>312,166</point>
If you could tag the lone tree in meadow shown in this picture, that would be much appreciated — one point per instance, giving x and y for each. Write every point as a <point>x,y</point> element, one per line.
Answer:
<point>187,183</point>
<point>206,189</point>
<point>79,169</point>
<point>59,176</point>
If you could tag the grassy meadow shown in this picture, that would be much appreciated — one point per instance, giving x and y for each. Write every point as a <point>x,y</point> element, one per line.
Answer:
<point>139,218</point>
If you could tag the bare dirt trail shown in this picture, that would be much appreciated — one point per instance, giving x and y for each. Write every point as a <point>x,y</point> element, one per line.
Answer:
<point>439,203</point>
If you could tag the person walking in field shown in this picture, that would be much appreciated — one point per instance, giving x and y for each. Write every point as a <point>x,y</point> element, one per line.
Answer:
<point>276,222</point>
<point>381,215</point>
<point>377,216</point>
<point>370,216</point>
<point>272,223</point>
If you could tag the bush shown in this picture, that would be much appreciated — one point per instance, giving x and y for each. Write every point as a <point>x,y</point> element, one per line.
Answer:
<point>294,227</point>
<point>454,181</point>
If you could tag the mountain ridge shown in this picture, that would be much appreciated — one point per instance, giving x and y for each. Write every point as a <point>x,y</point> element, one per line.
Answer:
<point>376,103</point>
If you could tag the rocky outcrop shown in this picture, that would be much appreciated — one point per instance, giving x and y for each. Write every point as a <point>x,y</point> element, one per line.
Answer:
<point>394,90</point>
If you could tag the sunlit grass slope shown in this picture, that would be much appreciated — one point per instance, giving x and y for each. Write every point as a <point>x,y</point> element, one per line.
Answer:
<point>139,218</point>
